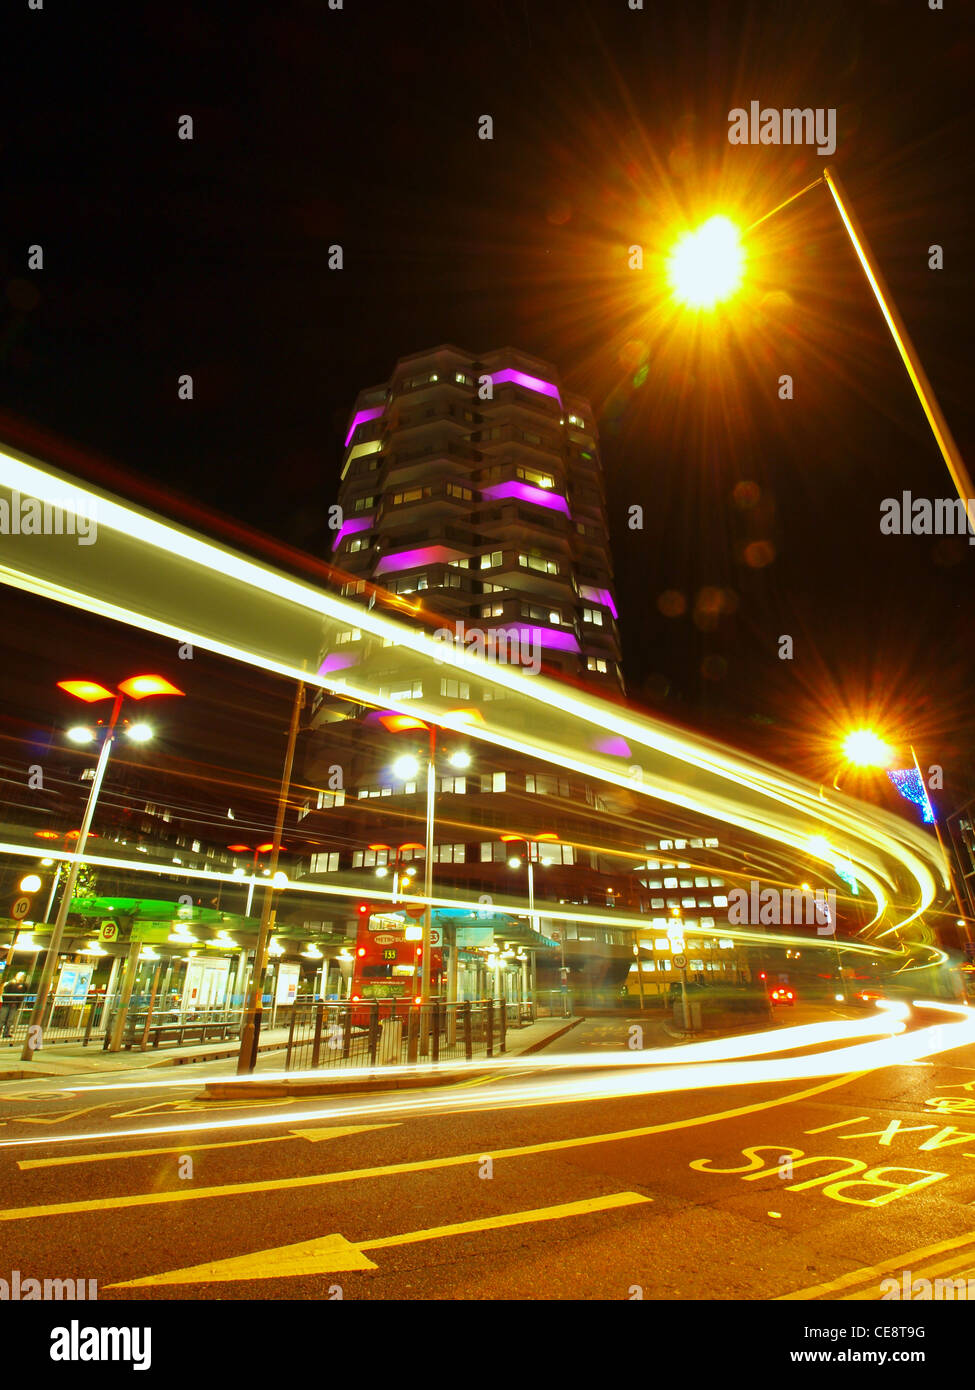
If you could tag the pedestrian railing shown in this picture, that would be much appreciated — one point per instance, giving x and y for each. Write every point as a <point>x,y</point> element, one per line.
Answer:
<point>68,1020</point>
<point>392,1032</point>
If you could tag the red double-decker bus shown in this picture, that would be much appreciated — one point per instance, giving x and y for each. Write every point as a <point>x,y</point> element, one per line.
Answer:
<point>388,966</point>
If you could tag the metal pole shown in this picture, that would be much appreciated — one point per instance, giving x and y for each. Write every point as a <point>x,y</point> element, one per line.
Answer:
<point>247,1057</point>
<point>425,973</point>
<point>54,886</point>
<point>531,889</point>
<point>902,339</point>
<point>128,982</point>
<point>639,973</point>
<point>37,1017</point>
<point>941,844</point>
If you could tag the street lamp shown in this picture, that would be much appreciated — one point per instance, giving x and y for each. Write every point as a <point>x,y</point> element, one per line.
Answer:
<point>136,688</point>
<point>406,768</point>
<point>398,877</point>
<point>867,749</point>
<point>705,268</point>
<point>515,863</point>
<point>259,849</point>
<point>707,264</point>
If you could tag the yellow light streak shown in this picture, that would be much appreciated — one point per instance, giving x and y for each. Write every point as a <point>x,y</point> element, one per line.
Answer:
<point>624,1080</point>
<point>183,587</point>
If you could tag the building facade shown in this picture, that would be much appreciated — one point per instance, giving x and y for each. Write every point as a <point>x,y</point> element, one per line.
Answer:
<point>472,492</point>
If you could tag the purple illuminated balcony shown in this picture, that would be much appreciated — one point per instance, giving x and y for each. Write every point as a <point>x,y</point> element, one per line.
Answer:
<point>411,559</point>
<point>551,637</point>
<point>530,383</point>
<point>539,496</point>
<point>360,417</point>
<point>337,661</point>
<point>350,527</point>
<point>602,596</point>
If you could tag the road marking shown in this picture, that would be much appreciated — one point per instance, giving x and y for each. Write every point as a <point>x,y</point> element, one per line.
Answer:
<point>871,1272</point>
<point>838,1125</point>
<point>945,1267</point>
<point>334,1254</point>
<point>58,1117</point>
<point>190,1106</point>
<point>146,1199</point>
<point>323,1132</point>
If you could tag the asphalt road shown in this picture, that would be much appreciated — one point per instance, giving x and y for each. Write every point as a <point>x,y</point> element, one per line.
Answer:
<point>813,1186</point>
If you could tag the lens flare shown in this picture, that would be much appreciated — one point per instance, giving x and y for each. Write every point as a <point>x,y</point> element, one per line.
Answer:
<point>866,749</point>
<point>707,264</point>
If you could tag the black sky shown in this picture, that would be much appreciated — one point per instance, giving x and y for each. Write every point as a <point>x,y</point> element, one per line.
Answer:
<point>358,127</point>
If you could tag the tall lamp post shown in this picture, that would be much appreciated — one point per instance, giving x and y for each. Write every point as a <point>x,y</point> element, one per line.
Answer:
<point>515,863</point>
<point>136,688</point>
<point>864,748</point>
<point>250,1032</point>
<point>406,768</point>
<point>707,266</point>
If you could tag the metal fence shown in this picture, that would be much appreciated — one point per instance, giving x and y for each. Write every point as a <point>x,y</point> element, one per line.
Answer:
<point>350,1033</point>
<point>389,1032</point>
<point>69,1020</point>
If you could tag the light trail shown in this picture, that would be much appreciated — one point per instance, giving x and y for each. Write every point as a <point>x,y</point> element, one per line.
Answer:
<point>630,1080</point>
<point>713,1049</point>
<point>474,905</point>
<point>160,577</point>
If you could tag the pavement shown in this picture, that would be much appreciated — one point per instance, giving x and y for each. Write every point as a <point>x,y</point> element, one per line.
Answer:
<point>64,1060</point>
<point>74,1059</point>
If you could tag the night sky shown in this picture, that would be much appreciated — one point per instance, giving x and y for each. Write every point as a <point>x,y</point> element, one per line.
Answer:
<point>358,127</point>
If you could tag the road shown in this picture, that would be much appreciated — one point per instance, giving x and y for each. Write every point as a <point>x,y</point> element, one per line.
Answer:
<point>817,1187</point>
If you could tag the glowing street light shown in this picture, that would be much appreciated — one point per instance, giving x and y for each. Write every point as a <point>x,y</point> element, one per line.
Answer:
<point>136,688</point>
<point>865,748</point>
<point>707,265</point>
<point>515,863</point>
<point>259,849</point>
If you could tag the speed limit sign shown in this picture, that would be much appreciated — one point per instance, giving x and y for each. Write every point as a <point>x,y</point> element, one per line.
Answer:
<point>20,908</point>
<point>680,962</point>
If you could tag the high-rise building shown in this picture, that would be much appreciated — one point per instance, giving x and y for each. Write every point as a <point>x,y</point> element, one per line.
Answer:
<point>472,488</point>
<point>477,483</point>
